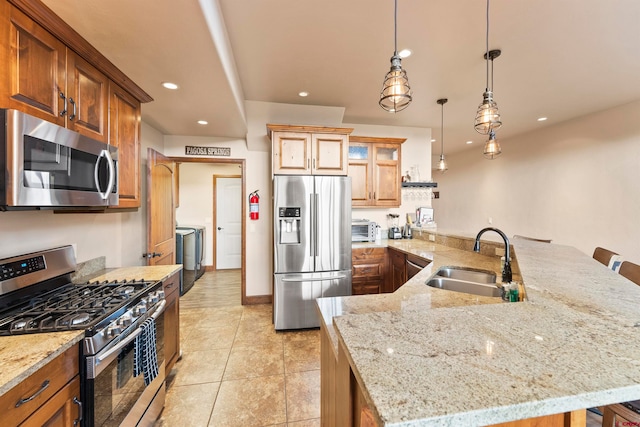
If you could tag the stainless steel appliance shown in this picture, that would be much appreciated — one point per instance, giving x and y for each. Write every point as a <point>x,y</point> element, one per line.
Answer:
<point>394,231</point>
<point>200,236</point>
<point>363,230</point>
<point>186,255</point>
<point>312,246</point>
<point>46,166</point>
<point>37,296</point>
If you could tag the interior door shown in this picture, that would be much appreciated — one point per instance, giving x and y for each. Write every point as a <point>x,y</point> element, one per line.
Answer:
<point>228,211</point>
<point>161,242</point>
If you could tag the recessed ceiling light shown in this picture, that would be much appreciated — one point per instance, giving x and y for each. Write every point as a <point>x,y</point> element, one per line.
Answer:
<point>542,119</point>
<point>169,85</point>
<point>203,122</point>
<point>404,53</point>
<point>469,142</point>
<point>303,94</point>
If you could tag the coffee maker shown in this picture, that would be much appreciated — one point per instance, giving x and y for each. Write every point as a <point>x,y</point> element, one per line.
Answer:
<point>394,230</point>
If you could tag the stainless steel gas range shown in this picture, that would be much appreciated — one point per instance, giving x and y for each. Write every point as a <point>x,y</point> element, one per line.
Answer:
<point>122,354</point>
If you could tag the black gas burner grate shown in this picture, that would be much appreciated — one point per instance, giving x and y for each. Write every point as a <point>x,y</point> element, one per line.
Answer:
<point>71,307</point>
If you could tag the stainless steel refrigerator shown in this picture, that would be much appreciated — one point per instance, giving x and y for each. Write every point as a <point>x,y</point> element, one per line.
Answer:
<point>312,246</point>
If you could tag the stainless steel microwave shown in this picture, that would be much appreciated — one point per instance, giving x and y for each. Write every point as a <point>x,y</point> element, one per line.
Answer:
<point>363,230</point>
<point>49,166</point>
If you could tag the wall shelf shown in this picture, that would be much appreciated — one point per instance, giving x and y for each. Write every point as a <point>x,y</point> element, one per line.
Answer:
<point>419,184</point>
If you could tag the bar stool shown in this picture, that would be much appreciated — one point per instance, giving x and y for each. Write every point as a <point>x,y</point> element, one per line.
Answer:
<point>631,271</point>
<point>517,236</point>
<point>603,255</point>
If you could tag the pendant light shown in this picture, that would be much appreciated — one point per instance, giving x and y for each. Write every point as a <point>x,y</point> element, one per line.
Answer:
<point>442,164</point>
<point>396,93</point>
<point>488,116</point>
<point>492,147</point>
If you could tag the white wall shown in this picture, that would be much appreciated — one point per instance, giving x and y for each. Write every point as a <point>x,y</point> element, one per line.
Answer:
<point>577,183</point>
<point>196,198</point>
<point>120,237</point>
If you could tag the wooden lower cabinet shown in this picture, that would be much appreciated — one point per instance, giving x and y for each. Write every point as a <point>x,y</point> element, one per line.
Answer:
<point>48,397</point>
<point>62,410</point>
<point>397,270</point>
<point>619,415</point>
<point>171,288</point>
<point>369,270</point>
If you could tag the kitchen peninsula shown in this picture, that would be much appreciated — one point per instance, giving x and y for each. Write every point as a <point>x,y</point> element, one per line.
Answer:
<point>427,357</point>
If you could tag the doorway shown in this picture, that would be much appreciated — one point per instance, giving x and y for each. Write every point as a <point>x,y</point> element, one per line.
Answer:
<point>208,213</point>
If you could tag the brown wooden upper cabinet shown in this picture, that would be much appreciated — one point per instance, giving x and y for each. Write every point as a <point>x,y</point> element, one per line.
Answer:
<point>50,81</point>
<point>49,71</point>
<point>374,168</point>
<point>309,150</point>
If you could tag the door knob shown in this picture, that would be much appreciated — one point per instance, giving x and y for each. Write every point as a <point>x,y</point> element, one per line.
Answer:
<point>220,228</point>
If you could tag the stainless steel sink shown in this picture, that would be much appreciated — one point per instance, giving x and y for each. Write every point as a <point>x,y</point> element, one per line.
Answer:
<point>466,280</point>
<point>468,274</point>
<point>481,289</point>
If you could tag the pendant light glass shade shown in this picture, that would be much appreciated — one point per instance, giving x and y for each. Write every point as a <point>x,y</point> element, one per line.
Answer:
<point>488,116</point>
<point>395,94</point>
<point>442,164</point>
<point>492,147</point>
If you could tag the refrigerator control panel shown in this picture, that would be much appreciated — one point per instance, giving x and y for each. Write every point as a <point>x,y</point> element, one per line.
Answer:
<point>289,212</point>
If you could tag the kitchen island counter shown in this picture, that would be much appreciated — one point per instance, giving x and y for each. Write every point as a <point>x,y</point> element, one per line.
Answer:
<point>22,355</point>
<point>574,344</point>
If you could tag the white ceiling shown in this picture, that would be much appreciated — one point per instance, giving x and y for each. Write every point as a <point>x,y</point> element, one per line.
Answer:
<point>560,58</point>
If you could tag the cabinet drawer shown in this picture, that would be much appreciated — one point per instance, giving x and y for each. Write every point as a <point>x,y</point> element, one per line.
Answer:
<point>171,285</point>
<point>44,383</point>
<point>367,254</point>
<point>365,288</point>
<point>368,271</point>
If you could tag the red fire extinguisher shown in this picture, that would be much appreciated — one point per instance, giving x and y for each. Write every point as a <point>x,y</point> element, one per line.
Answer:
<point>254,205</point>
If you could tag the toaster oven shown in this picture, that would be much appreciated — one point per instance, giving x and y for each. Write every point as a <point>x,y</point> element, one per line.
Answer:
<point>363,230</point>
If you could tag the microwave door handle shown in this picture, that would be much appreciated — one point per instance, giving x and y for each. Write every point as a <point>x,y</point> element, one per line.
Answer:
<point>107,156</point>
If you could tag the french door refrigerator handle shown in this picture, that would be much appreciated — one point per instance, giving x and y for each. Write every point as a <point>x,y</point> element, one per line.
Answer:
<point>315,226</point>
<point>316,279</point>
<point>312,231</point>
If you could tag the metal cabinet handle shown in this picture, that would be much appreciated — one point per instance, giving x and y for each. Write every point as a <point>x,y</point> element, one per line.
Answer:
<point>369,194</point>
<point>43,387</point>
<point>79,419</point>
<point>374,195</point>
<point>308,163</point>
<point>151,255</point>
<point>64,110</point>
<point>314,163</point>
<point>72,102</point>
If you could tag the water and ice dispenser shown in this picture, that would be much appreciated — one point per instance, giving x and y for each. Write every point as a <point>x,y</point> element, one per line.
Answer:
<point>289,225</point>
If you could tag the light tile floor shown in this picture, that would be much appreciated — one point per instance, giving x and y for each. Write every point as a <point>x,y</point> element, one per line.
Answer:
<point>237,371</point>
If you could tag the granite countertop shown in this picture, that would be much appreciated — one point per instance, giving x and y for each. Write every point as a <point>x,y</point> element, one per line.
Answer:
<point>574,344</point>
<point>22,355</point>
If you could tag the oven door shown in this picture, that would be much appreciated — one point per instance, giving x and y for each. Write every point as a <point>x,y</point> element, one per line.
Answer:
<point>113,395</point>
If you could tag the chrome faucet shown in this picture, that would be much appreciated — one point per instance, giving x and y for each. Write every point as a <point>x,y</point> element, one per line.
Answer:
<point>506,270</point>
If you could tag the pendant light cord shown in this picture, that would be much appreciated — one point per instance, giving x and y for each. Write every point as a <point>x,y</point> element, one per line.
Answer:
<point>487,51</point>
<point>395,30</point>
<point>442,131</point>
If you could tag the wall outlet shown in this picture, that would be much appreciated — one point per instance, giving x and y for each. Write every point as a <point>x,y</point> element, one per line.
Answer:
<point>432,237</point>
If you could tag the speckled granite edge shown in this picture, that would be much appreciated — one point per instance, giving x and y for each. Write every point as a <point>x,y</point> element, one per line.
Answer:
<point>22,355</point>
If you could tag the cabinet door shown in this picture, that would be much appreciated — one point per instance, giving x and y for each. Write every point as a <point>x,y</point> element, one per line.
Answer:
<point>35,70</point>
<point>88,105</point>
<point>386,171</point>
<point>171,288</point>
<point>329,154</point>
<point>291,153</point>
<point>397,271</point>
<point>360,173</point>
<point>124,133</point>
<point>62,410</point>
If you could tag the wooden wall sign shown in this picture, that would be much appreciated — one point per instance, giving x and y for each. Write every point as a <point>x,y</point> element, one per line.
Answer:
<point>191,150</point>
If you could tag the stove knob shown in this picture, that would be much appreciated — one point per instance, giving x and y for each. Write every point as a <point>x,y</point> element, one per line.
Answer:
<point>112,331</point>
<point>125,321</point>
<point>140,309</point>
<point>153,297</point>
<point>160,294</point>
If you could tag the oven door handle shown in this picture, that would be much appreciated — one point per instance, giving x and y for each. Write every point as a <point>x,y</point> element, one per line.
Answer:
<point>101,358</point>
